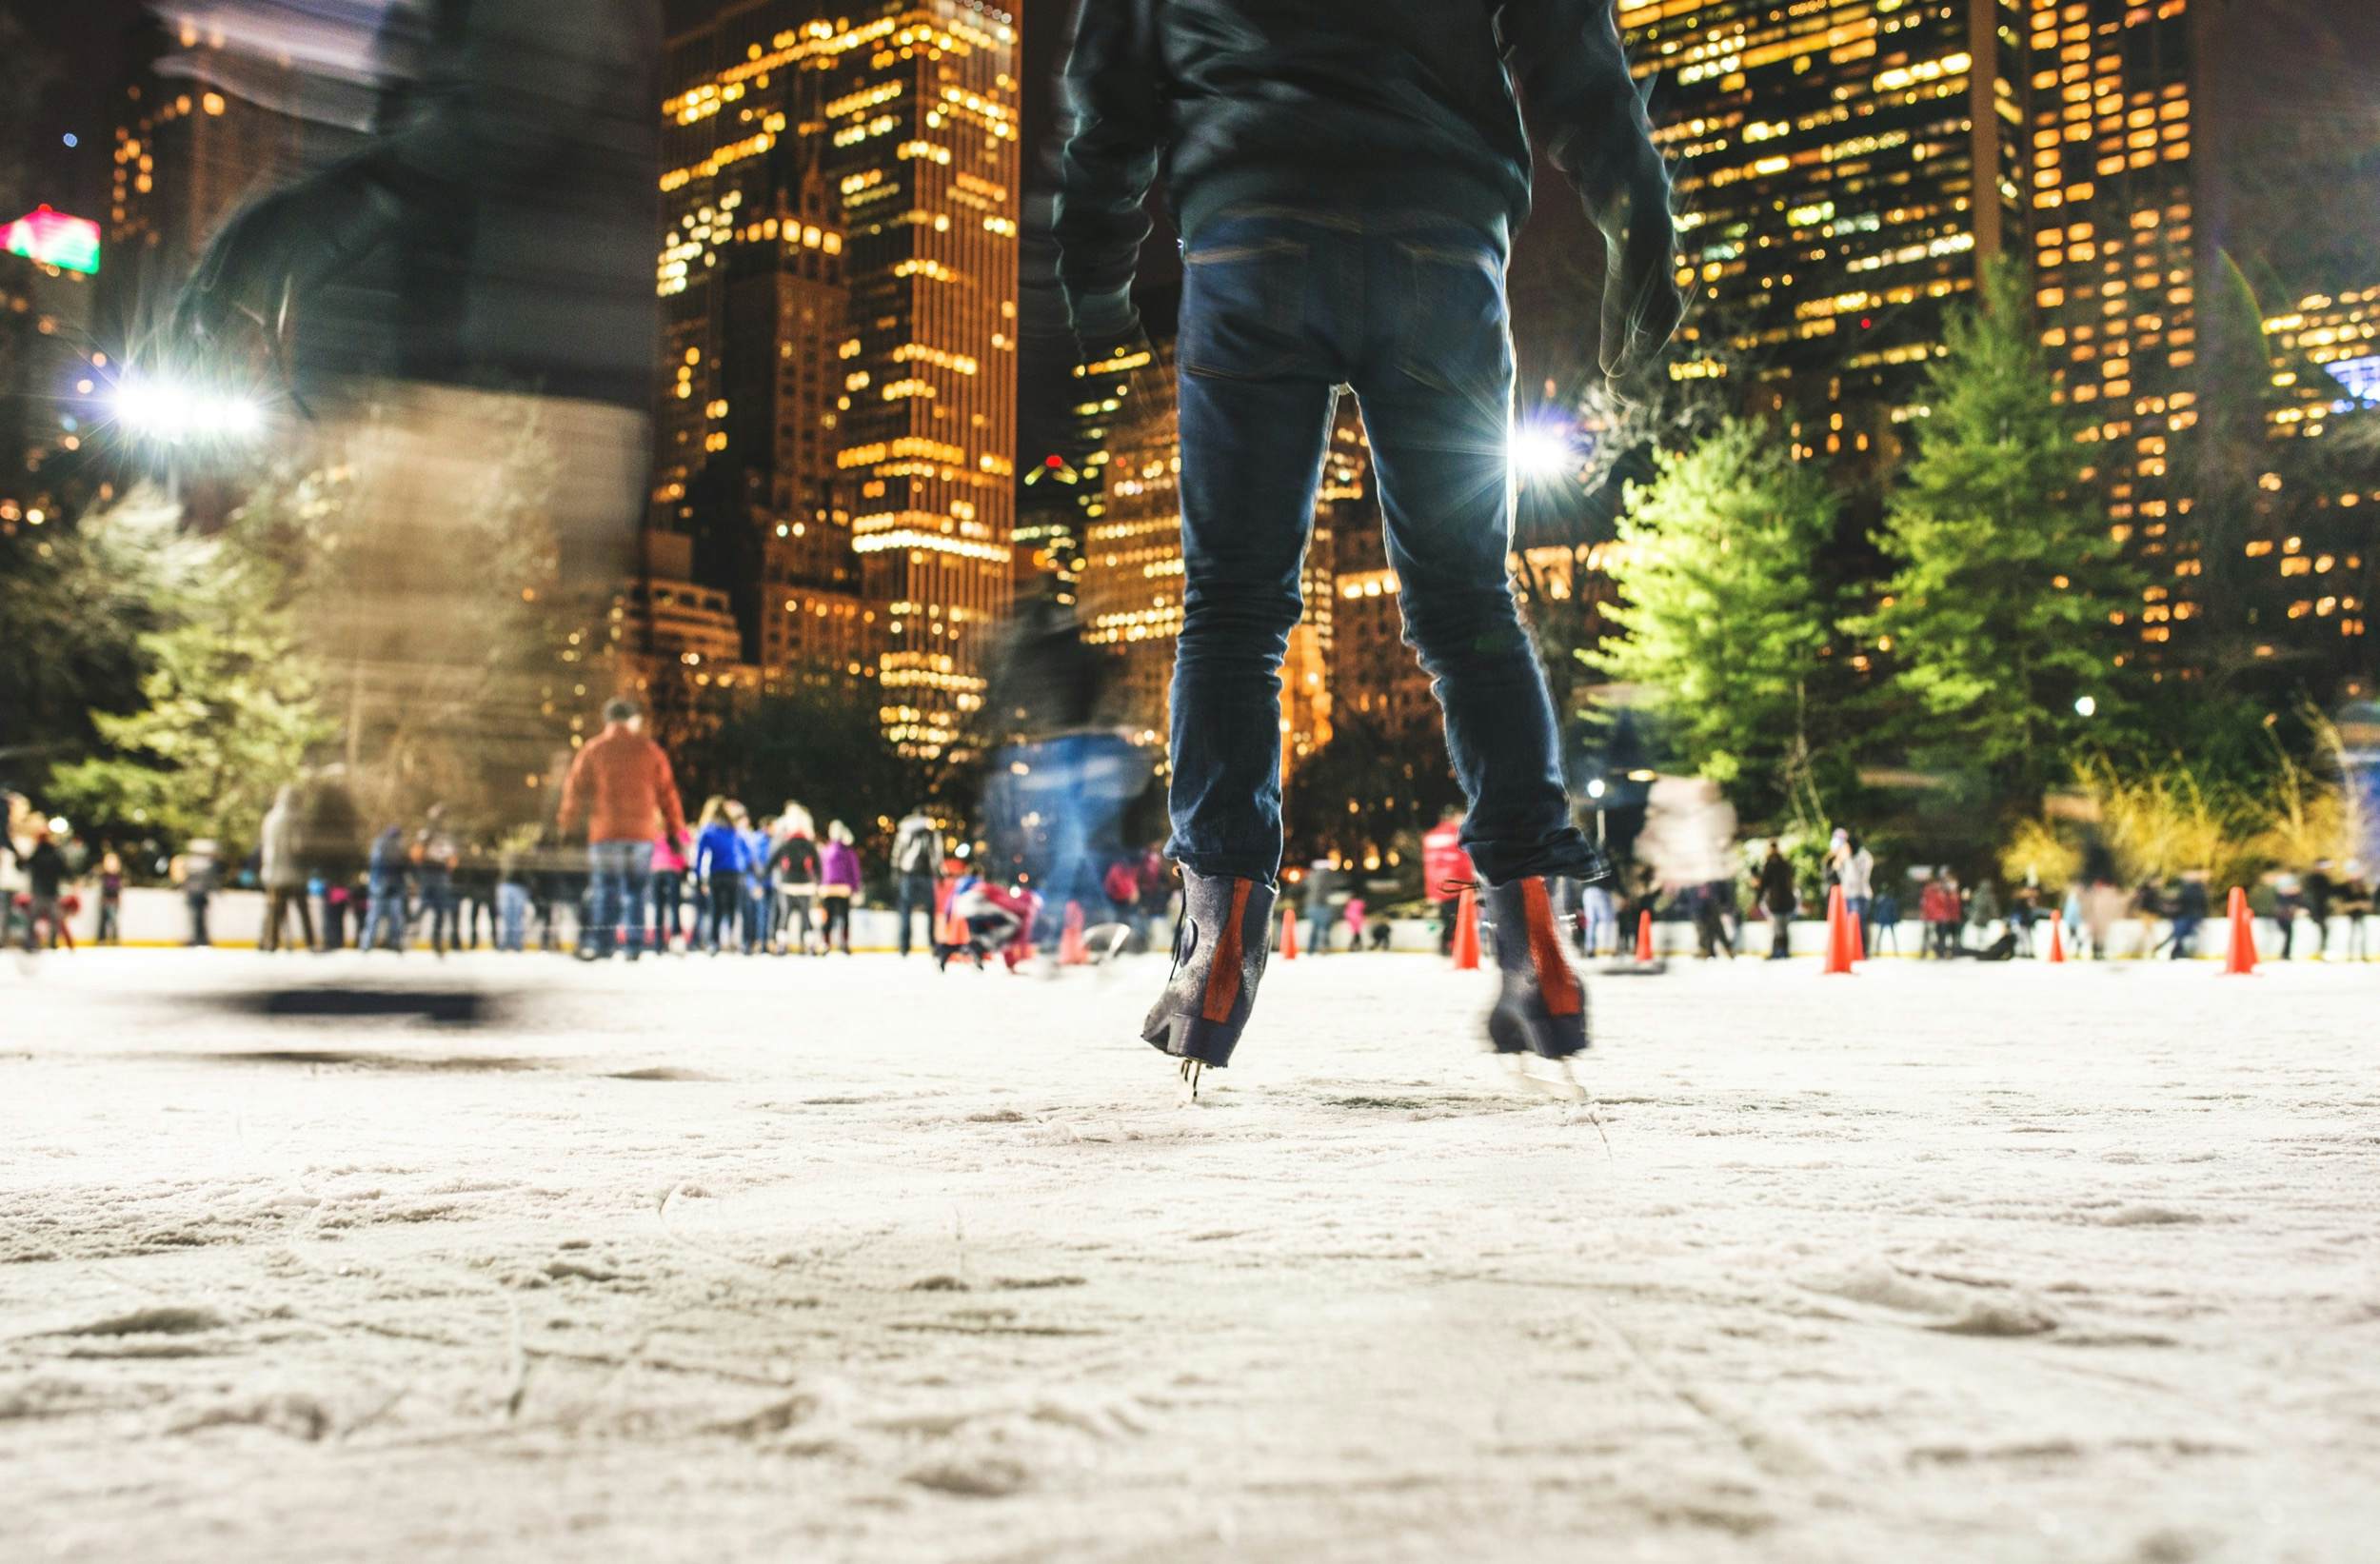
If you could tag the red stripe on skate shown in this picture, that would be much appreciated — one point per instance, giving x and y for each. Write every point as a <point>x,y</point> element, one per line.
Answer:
<point>1559,985</point>
<point>1223,978</point>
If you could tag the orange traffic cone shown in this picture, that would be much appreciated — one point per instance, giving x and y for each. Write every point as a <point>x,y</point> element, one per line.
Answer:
<point>2242,960</point>
<point>1289,934</point>
<point>2057,940</point>
<point>1071,950</point>
<point>1467,932</point>
<point>1841,936</point>
<point>1644,937</point>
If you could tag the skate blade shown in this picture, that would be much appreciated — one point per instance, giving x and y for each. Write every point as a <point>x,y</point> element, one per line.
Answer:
<point>1549,1078</point>
<point>1191,1074</point>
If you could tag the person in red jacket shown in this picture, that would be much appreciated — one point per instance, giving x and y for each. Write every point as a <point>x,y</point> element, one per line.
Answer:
<point>622,785</point>
<point>1445,870</point>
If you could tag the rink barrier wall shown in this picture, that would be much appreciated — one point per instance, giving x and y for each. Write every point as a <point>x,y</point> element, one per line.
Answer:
<point>156,917</point>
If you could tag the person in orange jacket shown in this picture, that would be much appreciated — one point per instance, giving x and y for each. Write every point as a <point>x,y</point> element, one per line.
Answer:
<point>622,785</point>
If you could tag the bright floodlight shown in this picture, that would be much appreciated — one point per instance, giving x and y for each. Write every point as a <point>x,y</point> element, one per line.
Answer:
<point>1595,788</point>
<point>172,410</point>
<point>1542,453</point>
<point>2086,706</point>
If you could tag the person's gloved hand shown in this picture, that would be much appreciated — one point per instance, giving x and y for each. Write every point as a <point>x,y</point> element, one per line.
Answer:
<point>1642,302</point>
<point>272,253</point>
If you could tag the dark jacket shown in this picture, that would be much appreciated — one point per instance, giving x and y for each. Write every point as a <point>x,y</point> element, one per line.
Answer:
<point>389,860</point>
<point>498,230</point>
<point>1395,105</point>
<point>44,871</point>
<point>1777,884</point>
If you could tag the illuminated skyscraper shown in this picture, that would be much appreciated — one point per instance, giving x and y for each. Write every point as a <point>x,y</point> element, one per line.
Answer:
<point>838,398</point>
<point>47,373</point>
<point>919,118</point>
<point>1844,168</point>
<point>2112,175</point>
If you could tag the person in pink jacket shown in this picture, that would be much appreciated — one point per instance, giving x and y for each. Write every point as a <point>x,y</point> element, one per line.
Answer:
<point>838,883</point>
<point>670,872</point>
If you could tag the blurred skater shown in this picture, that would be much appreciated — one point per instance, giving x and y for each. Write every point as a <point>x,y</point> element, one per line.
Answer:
<point>839,881</point>
<point>111,895</point>
<point>198,872</point>
<point>282,871</point>
<point>384,911</point>
<point>622,785</point>
<point>1779,899</point>
<point>917,854</point>
<point>719,855</point>
<point>796,859</point>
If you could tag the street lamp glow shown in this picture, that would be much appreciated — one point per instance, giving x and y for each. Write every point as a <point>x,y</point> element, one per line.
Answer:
<point>172,410</point>
<point>2086,706</point>
<point>1596,788</point>
<point>1542,453</point>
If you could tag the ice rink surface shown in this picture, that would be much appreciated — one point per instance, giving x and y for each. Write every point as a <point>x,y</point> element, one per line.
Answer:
<point>718,1259</point>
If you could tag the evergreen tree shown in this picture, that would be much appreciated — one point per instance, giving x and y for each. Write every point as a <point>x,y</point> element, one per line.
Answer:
<point>2004,612</point>
<point>1726,610</point>
<point>229,717</point>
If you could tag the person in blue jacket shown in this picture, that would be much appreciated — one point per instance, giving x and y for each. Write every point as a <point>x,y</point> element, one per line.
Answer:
<point>720,857</point>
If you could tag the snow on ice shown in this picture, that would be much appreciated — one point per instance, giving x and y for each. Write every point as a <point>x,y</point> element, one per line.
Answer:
<point>759,1259</point>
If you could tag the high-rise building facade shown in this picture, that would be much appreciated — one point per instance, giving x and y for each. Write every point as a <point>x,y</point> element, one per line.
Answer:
<point>837,407</point>
<point>2112,175</point>
<point>920,125</point>
<point>48,374</point>
<point>1843,169</point>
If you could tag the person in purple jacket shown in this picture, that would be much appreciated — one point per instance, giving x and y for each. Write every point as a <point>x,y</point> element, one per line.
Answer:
<point>838,883</point>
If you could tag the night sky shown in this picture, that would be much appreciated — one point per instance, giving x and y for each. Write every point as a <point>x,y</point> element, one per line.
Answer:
<point>2307,113</point>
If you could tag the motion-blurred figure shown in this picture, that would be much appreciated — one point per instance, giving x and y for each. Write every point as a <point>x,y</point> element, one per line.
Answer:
<point>1347,176</point>
<point>1067,779</point>
<point>2190,915</point>
<point>465,305</point>
<point>1688,838</point>
<point>991,921</point>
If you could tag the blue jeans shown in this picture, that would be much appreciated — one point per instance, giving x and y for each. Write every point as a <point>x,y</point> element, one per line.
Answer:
<point>621,872</point>
<point>512,916</point>
<point>916,895</point>
<point>1280,308</point>
<point>388,915</point>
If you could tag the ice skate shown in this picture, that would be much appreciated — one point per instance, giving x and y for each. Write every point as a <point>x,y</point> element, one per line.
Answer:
<point>1542,1007</point>
<point>1219,959</point>
<point>1551,1077</point>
